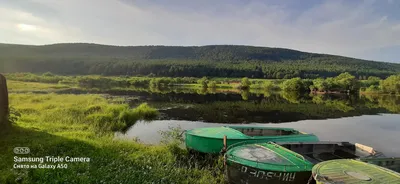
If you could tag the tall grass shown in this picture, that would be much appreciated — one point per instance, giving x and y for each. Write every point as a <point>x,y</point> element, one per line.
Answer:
<point>61,125</point>
<point>91,110</point>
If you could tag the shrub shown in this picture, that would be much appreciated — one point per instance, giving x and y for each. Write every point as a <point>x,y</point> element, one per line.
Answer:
<point>144,111</point>
<point>268,85</point>
<point>295,84</point>
<point>245,83</point>
<point>203,82</point>
<point>212,84</point>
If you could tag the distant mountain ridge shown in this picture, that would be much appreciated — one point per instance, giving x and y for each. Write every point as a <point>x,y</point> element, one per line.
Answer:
<point>218,52</point>
<point>260,62</point>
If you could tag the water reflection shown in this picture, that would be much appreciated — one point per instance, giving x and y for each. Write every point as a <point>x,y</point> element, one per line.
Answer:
<point>380,132</point>
<point>246,107</point>
<point>331,117</point>
<point>235,106</point>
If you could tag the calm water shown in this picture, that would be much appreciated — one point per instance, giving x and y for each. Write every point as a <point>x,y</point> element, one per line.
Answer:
<point>370,120</point>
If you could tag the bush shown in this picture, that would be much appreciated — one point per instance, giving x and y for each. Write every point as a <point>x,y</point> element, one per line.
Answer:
<point>245,83</point>
<point>391,84</point>
<point>295,84</point>
<point>203,82</point>
<point>373,89</point>
<point>144,111</point>
<point>212,84</point>
<point>268,85</point>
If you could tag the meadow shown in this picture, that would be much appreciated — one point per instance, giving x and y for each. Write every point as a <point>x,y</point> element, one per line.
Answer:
<point>83,126</point>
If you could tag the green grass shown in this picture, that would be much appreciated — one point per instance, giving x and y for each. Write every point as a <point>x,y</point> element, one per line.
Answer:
<point>19,86</point>
<point>81,126</point>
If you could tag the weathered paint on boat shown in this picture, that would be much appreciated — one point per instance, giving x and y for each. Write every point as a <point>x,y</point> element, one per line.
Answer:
<point>346,171</point>
<point>261,163</point>
<point>210,139</point>
<point>389,163</point>
<point>286,162</point>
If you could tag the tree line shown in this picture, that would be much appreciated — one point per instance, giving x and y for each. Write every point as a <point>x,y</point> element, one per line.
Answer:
<point>167,61</point>
<point>343,83</point>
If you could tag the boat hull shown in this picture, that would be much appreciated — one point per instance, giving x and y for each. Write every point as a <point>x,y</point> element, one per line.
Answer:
<point>214,145</point>
<point>241,174</point>
<point>389,163</point>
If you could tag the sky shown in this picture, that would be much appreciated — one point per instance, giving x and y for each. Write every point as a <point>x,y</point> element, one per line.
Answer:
<point>367,29</point>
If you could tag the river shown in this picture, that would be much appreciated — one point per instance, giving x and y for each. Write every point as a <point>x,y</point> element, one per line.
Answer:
<point>369,120</point>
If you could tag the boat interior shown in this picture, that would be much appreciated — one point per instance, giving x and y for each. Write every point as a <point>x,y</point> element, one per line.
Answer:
<point>265,132</point>
<point>323,151</point>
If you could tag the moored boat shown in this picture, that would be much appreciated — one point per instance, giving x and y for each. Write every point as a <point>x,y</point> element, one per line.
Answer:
<point>211,139</point>
<point>392,163</point>
<point>347,171</point>
<point>286,162</point>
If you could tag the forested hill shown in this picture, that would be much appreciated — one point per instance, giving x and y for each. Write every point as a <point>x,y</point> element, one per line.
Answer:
<point>196,61</point>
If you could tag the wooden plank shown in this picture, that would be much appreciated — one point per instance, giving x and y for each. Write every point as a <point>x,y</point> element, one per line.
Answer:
<point>4,106</point>
<point>366,148</point>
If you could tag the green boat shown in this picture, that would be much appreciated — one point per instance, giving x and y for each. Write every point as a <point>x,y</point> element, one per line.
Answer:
<point>286,162</point>
<point>211,139</point>
<point>392,163</point>
<point>345,171</point>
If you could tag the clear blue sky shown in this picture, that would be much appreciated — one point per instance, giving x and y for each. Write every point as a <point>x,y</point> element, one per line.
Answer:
<point>368,29</point>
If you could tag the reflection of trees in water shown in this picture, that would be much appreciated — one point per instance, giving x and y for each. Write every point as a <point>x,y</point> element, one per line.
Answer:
<point>292,96</point>
<point>202,91</point>
<point>245,94</point>
<point>275,108</point>
<point>267,93</point>
<point>389,102</point>
<point>338,104</point>
<point>263,106</point>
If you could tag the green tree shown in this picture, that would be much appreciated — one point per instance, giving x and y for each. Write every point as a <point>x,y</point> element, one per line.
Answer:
<point>391,84</point>
<point>245,83</point>
<point>372,80</point>
<point>320,84</point>
<point>212,85</point>
<point>372,89</point>
<point>203,82</point>
<point>294,84</point>
<point>347,82</point>
<point>268,85</point>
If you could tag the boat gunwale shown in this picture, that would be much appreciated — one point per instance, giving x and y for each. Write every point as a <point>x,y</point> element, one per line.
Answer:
<point>247,137</point>
<point>306,164</point>
<point>233,158</point>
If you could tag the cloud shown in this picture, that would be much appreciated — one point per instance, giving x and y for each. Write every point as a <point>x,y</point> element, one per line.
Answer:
<point>27,27</point>
<point>334,27</point>
<point>18,26</point>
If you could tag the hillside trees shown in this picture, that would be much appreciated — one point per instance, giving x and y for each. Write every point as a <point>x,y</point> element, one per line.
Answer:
<point>171,61</point>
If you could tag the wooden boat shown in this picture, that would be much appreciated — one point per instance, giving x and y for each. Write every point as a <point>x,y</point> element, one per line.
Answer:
<point>392,163</point>
<point>286,162</point>
<point>345,171</point>
<point>211,139</point>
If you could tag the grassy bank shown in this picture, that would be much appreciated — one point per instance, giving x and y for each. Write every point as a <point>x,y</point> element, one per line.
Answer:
<point>20,86</point>
<point>82,126</point>
<point>92,81</point>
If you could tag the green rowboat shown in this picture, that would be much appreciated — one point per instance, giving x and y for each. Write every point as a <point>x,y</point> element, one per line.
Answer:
<point>211,139</point>
<point>345,171</point>
<point>286,162</point>
<point>392,163</point>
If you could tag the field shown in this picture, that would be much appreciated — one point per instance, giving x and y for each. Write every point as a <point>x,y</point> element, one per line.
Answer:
<point>82,126</point>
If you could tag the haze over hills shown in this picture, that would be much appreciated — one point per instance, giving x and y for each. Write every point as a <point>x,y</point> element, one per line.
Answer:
<point>195,61</point>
